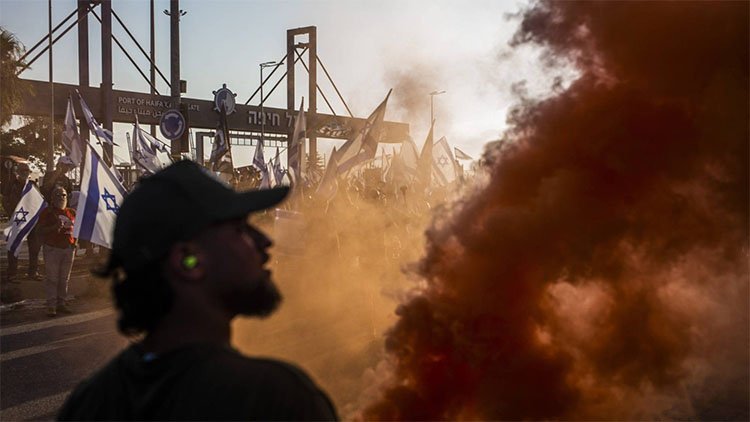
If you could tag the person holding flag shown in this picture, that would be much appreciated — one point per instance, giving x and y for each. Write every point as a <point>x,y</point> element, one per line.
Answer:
<point>56,228</point>
<point>22,222</point>
<point>58,177</point>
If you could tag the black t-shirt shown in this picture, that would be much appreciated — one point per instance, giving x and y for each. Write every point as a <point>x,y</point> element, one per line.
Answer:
<point>197,382</point>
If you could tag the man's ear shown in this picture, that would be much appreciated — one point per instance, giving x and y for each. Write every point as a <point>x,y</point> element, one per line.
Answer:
<point>185,261</point>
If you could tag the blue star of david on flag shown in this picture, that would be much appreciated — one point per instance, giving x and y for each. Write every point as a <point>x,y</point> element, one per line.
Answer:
<point>20,216</point>
<point>443,161</point>
<point>109,197</point>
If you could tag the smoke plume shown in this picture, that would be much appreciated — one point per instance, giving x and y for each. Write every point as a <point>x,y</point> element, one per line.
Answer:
<point>602,272</point>
<point>410,88</point>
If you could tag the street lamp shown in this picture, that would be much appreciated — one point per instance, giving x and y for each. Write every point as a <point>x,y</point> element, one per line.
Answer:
<point>262,114</point>
<point>432,96</point>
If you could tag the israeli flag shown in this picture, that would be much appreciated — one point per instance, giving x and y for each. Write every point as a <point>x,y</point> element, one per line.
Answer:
<point>278,172</point>
<point>443,164</point>
<point>99,201</point>
<point>71,140</point>
<point>258,161</point>
<point>265,179</point>
<point>103,135</point>
<point>145,149</point>
<point>219,149</point>
<point>24,218</point>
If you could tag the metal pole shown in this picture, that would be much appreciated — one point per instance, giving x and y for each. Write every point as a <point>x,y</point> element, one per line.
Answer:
<point>107,101</point>
<point>153,61</point>
<point>51,151</point>
<point>312,91</point>
<point>262,99</point>
<point>174,55</point>
<point>83,53</point>
<point>290,99</point>
<point>432,96</point>
<point>262,113</point>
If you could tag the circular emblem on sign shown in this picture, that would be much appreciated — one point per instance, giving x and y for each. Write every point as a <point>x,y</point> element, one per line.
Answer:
<point>224,97</point>
<point>172,124</point>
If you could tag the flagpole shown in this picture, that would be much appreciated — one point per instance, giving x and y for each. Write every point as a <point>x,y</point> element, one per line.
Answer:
<point>262,113</point>
<point>225,128</point>
<point>432,96</point>
<point>51,156</point>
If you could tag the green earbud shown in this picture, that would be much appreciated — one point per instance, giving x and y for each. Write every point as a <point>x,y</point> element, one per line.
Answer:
<point>190,262</point>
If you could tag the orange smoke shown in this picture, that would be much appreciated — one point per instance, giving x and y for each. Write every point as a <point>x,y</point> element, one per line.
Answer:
<point>602,272</point>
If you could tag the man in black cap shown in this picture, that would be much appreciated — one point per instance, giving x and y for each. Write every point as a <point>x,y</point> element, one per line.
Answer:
<point>185,261</point>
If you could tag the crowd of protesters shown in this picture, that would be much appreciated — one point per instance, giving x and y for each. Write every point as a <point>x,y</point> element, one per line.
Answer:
<point>403,203</point>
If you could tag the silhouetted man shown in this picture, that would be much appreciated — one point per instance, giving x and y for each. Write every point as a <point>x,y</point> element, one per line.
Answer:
<point>185,261</point>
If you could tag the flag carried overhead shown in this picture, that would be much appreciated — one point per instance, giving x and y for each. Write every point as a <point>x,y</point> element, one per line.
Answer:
<point>460,155</point>
<point>221,150</point>
<point>99,201</point>
<point>265,178</point>
<point>259,160</point>
<point>409,157</point>
<point>278,172</point>
<point>364,145</point>
<point>103,135</point>
<point>424,167</point>
<point>71,139</point>
<point>145,149</point>
<point>24,217</point>
<point>295,154</point>
<point>329,183</point>
<point>443,164</point>
<point>260,163</point>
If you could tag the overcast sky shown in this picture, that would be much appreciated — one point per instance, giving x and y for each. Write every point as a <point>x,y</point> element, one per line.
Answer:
<point>368,47</point>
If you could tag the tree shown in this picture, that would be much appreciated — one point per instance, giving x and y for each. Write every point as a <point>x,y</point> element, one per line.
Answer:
<point>31,140</point>
<point>12,86</point>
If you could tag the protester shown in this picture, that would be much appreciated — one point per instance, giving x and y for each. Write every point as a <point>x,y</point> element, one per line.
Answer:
<point>12,191</point>
<point>56,229</point>
<point>184,262</point>
<point>58,178</point>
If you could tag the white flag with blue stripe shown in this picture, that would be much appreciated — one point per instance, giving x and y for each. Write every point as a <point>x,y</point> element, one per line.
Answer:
<point>24,217</point>
<point>145,149</point>
<point>99,201</point>
<point>443,164</point>
<point>71,140</point>
<point>103,135</point>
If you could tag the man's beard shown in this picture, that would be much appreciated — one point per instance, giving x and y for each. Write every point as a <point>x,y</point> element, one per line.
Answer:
<point>263,301</point>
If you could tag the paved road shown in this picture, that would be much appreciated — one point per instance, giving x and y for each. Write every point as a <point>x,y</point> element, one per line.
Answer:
<point>41,361</point>
<point>332,329</point>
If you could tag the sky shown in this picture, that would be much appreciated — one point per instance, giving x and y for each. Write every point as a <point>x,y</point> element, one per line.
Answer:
<point>368,47</point>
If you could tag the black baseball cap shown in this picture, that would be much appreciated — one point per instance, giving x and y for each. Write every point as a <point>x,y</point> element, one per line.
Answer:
<point>174,205</point>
